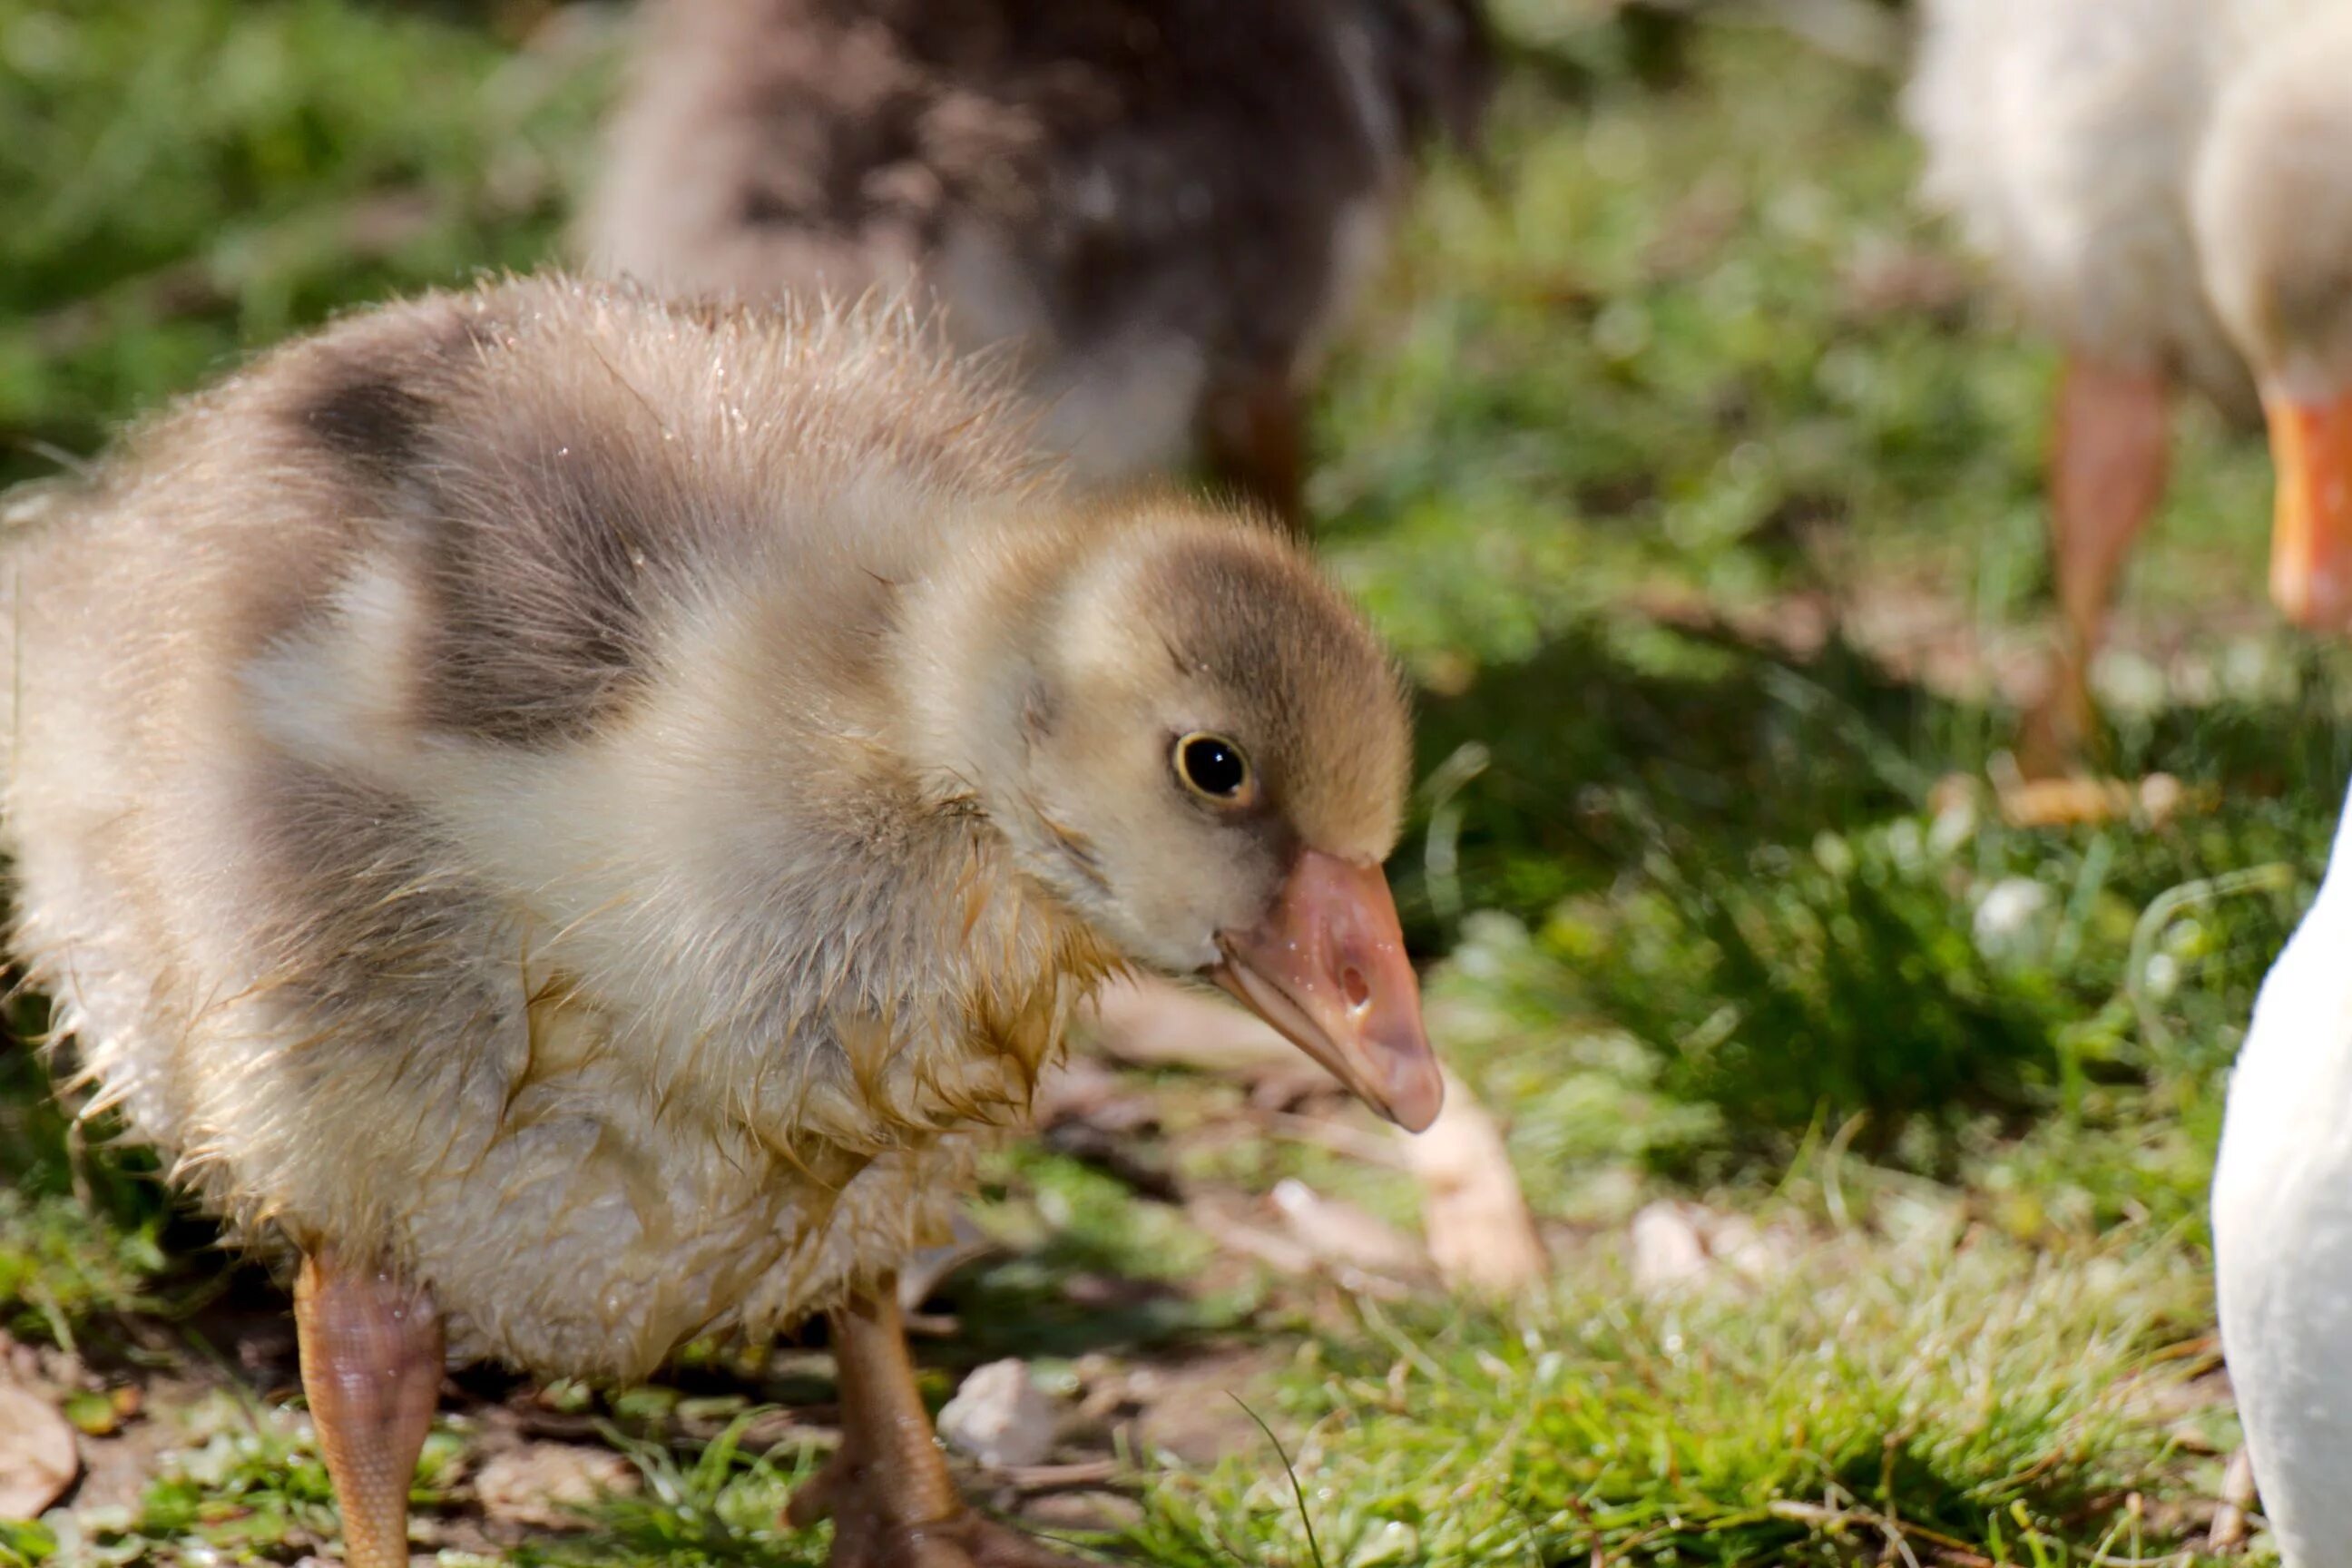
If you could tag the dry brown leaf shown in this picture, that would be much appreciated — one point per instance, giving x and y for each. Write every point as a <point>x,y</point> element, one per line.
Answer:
<point>546,1485</point>
<point>1289,1253</point>
<point>1151,1021</point>
<point>1481,1234</point>
<point>2083,801</point>
<point>1282,1253</point>
<point>2229,1532</point>
<point>1081,1090</point>
<point>37,1457</point>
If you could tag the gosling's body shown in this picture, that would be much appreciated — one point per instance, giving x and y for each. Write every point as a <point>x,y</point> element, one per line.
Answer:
<point>1161,207</point>
<point>396,881</point>
<point>487,791</point>
<point>566,815</point>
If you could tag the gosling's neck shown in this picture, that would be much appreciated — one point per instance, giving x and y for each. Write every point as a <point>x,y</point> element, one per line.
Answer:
<point>969,658</point>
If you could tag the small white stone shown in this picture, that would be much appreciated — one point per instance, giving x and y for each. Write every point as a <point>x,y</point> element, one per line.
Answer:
<point>2007,914</point>
<point>1000,1416</point>
<point>1668,1250</point>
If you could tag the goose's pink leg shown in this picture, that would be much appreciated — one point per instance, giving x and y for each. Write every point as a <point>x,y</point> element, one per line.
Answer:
<point>887,1492</point>
<point>2108,457</point>
<point>372,1348</point>
<point>1255,440</point>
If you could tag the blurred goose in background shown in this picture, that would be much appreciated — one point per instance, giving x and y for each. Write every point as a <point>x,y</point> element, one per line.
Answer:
<point>2078,143</point>
<point>567,817</point>
<point>1163,207</point>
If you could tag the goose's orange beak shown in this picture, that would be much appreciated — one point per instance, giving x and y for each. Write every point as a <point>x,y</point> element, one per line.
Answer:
<point>1327,968</point>
<point>2311,537</point>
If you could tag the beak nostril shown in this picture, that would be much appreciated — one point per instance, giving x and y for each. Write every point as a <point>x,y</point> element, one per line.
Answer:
<point>1355,987</point>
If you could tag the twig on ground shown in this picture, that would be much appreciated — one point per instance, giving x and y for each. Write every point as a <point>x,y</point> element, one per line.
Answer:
<point>1479,1230</point>
<point>2230,1529</point>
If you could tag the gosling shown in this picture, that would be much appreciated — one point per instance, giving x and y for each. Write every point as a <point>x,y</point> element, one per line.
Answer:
<point>568,819</point>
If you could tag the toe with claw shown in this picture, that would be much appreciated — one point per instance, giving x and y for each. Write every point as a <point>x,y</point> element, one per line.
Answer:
<point>887,1492</point>
<point>865,1535</point>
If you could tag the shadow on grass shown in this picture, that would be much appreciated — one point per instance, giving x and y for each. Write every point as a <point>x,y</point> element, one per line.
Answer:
<point>1620,741</point>
<point>1615,743</point>
<point>1064,1299</point>
<point>1740,859</point>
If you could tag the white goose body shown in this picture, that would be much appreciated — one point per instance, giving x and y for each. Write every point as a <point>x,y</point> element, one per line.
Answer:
<point>2283,1231</point>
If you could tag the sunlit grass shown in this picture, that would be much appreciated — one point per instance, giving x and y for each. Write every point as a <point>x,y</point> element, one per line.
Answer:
<point>1928,1384</point>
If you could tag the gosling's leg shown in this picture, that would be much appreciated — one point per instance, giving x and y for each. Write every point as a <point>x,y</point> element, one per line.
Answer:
<point>1255,440</point>
<point>887,1492</point>
<point>371,1349</point>
<point>2108,455</point>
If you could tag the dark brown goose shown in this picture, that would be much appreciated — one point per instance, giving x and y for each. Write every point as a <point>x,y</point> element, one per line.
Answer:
<point>1161,206</point>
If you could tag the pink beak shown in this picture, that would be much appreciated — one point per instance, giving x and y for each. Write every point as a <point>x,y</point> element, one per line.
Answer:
<point>1327,968</point>
<point>2311,542</point>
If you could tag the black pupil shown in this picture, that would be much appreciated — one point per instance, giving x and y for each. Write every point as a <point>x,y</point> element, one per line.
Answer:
<point>1213,767</point>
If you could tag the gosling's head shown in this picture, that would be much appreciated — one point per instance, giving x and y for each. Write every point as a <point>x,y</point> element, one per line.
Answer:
<point>2273,200</point>
<point>1204,754</point>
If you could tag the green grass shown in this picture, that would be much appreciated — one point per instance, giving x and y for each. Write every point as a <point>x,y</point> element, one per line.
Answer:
<point>1929,1386</point>
<point>717,1506</point>
<point>182,182</point>
<point>80,1230</point>
<point>1698,485</point>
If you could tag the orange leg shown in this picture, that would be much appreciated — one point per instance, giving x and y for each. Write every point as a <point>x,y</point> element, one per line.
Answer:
<point>2108,455</point>
<point>1255,440</point>
<point>887,1492</point>
<point>372,1351</point>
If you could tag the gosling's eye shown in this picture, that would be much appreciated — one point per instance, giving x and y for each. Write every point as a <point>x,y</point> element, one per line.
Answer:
<point>1213,766</point>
